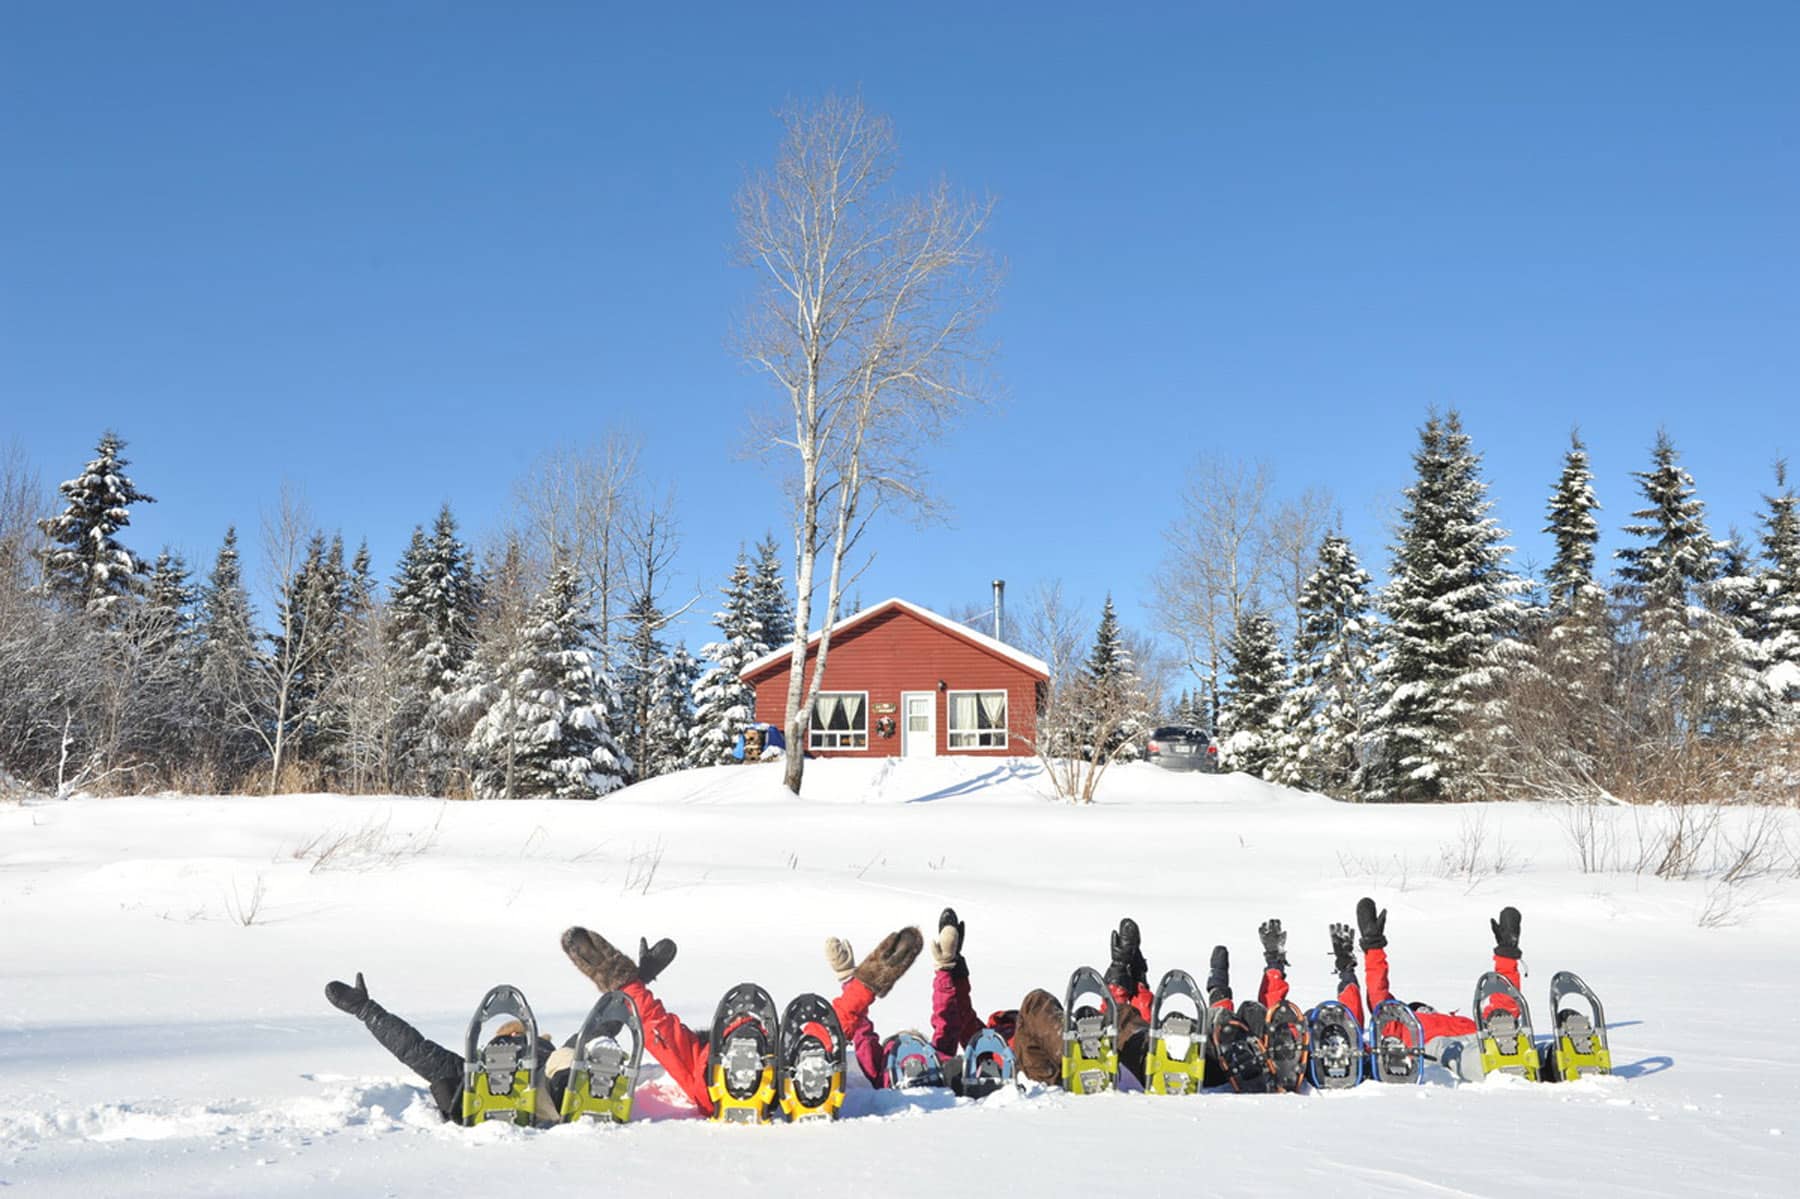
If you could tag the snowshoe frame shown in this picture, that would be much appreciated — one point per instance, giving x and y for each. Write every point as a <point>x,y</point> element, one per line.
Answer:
<point>1166,1071</point>
<point>603,1077</point>
<point>1240,1045</point>
<point>1090,1061</point>
<point>743,1056</point>
<point>1396,1056</point>
<point>1331,1025</point>
<point>1506,1040</point>
<point>1288,1045</point>
<point>501,1080</point>
<point>988,1065</point>
<point>812,1076</point>
<point>908,1060</point>
<point>1577,1050</point>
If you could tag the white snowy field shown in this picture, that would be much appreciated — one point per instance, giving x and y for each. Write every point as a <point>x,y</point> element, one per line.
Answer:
<point>163,1029</point>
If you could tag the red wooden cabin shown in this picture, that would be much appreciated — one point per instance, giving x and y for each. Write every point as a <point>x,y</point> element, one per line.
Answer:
<point>900,680</point>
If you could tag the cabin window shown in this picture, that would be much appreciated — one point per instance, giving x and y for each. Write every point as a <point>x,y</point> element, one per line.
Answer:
<point>977,720</point>
<point>840,720</point>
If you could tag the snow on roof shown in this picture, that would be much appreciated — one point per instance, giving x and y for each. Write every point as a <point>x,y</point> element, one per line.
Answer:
<point>991,644</point>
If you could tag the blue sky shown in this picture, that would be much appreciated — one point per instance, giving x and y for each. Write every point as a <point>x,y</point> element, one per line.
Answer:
<point>392,252</point>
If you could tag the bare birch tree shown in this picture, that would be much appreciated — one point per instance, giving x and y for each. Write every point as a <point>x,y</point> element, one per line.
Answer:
<point>1218,564</point>
<point>867,316</point>
<point>577,503</point>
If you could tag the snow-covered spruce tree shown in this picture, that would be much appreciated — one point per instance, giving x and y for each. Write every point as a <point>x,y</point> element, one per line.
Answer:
<point>723,704</point>
<point>640,659</point>
<point>670,721</point>
<point>169,599</point>
<point>1120,721</point>
<point>1249,727</point>
<point>769,605</point>
<point>86,568</point>
<point>543,728</point>
<point>1578,633</point>
<point>230,665</point>
<point>1776,609</point>
<point>1452,630</point>
<point>1691,671</point>
<point>1326,708</point>
<point>316,603</point>
<point>436,596</point>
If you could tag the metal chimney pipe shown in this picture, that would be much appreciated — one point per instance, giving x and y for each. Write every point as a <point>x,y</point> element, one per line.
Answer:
<point>999,609</point>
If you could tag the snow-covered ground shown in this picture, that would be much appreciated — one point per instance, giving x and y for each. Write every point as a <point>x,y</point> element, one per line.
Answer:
<point>163,1030</point>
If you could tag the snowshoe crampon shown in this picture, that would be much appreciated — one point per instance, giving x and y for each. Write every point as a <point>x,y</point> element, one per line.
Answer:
<point>1396,1044</point>
<point>988,1065</point>
<point>1175,1062</point>
<point>908,1060</point>
<point>1507,1045</point>
<point>1288,1044</point>
<point>501,1079</point>
<point>812,1060</point>
<point>743,1055</point>
<point>1580,1046</point>
<point>1336,1060</point>
<point>609,1050</point>
<point>1240,1044</point>
<point>1090,1061</point>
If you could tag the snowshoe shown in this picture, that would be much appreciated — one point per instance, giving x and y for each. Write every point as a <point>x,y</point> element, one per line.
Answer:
<point>1580,1046</point>
<point>908,1060</point>
<point>1240,1045</point>
<point>812,1060</point>
<point>1288,1045</point>
<point>742,1056</point>
<point>988,1064</point>
<point>608,1052</point>
<point>1396,1044</point>
<point>1090,1035</point>
<point>1336,1061</point>
<point>501,1079</point>
<point>1175,1062</point>
<point>1504,1019</point>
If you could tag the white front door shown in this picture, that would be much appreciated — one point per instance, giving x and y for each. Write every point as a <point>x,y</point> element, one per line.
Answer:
<point>918,724</point>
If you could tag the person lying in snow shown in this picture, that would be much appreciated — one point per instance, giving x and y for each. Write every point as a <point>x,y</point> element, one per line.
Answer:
<point>1033,1030</point>
<point>683,1051</point>
<point>442,1069</point>
<point>1441,1029</point>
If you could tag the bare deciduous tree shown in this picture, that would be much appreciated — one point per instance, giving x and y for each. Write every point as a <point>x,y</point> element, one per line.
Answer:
<point>867,316</point>
<point>1295,530</point>
<point>576,502</point>
<point>268,711</point>
<point>1219,562</point>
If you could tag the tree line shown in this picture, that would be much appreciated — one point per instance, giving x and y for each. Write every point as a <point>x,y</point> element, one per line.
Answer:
<point>540,668</point>
<point>1676,676</point>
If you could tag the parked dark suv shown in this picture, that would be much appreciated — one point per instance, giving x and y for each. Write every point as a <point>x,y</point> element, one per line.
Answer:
<point>1178,747</point>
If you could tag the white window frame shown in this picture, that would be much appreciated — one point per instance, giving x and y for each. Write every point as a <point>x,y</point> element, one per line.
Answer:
<point>814,733</point>
<point>971,738</point>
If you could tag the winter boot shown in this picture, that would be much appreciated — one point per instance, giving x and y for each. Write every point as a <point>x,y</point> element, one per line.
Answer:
<point>882,968</point>
<point>1506,933</point>
<point>840,957</point>
<point>1274,943</point>
<point>1218,980</point>
<point>946,947</point>
<point>594,956</point>
<point>1038,1039</point>
<point>1371,924</point>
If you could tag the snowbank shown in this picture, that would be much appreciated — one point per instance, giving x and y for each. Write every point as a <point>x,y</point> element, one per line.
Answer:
<point>163,1027</point>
